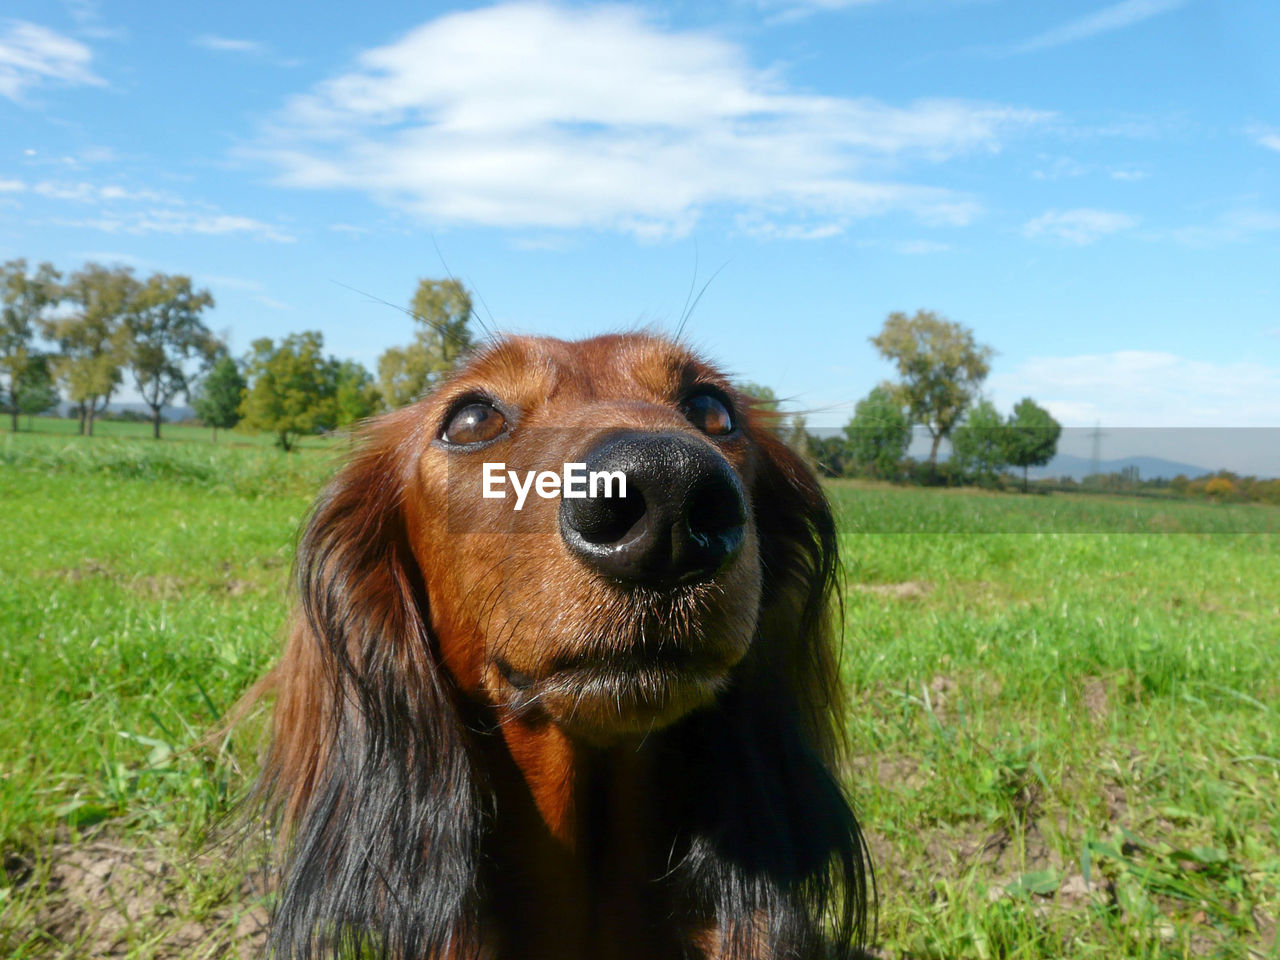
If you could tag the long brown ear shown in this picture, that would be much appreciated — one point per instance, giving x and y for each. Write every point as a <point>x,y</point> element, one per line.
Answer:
<point>772,834</point>
<point>369,772</point>
<point>800,557</point>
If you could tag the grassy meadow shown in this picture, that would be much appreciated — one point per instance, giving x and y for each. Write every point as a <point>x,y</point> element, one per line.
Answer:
<point>1065,711</point>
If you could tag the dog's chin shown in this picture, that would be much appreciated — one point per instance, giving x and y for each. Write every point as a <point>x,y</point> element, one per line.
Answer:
<point>602,700</point>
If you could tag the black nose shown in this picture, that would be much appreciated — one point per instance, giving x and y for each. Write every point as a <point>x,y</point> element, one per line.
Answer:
<point>682,519</point>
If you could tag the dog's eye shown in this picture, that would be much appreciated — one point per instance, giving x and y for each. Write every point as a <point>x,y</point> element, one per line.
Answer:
<point>709,414</point>
<point>477,422</point>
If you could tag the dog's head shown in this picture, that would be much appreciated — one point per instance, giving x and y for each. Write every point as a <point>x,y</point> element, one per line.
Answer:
<point>622,599</point>
<point>696,603</point>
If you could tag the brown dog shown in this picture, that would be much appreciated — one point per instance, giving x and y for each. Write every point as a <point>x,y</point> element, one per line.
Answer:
<point>594,727</point>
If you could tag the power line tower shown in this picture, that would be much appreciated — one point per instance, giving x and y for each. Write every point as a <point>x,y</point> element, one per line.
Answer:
<point>1096,467</point>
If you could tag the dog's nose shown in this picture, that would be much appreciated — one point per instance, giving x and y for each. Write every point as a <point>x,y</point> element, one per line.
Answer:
<point>683,517</point>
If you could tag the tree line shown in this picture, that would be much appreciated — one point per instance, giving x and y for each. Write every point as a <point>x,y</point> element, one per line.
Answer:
<point>74,337</point>
<point>941,368</point>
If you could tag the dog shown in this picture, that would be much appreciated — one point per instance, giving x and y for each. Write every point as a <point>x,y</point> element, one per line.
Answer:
<point>603,727</point>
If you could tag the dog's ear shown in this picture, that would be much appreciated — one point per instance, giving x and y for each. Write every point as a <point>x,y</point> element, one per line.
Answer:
<point>775,853</point>
<point>800,560</point>
<point>369,773</point>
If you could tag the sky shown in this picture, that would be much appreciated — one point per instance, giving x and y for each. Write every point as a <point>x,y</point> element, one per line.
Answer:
<point>1092,187</point>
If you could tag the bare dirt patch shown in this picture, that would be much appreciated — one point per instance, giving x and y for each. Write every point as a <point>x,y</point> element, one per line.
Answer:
<point>1093,694</point>
<point>158,587</point>
<point>106,900</point>
<point>90,568</point>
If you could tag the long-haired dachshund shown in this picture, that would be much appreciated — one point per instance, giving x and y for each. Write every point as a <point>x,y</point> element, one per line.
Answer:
<point>594,727</point>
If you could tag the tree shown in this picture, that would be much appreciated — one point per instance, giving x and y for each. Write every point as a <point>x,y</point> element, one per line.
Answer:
<point>941,366</point>
<point>1032,437</point>
<point>93,340</point>
<point>292,387</point>
<point>764,400</point>
<point>167,336</point>
<point>1219,488</point>
<point>35,392</point>
<point>443,311</point>
<point>24,298</point>
<point>762,397</point>
<point>978,444</point>
<point>798,439</point>
<point>831,454</point>
<point>357,396</point>
<point>218,395</point>
<point>879,432</point>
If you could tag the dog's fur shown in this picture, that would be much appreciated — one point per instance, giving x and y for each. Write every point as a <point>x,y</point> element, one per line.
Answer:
<point>429,809</point>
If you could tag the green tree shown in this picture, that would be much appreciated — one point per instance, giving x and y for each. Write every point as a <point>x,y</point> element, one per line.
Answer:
<point>357,395</point>
<point>1032,437</point>
<point>831,454</point>
<point>167,336</point>
<point>941,366</point>
<point>978,444</point>
<point>218,395</point>
<point>443,311</point>
<point>762,397</point>
<point>799,440</point>
<point>93,339</point>
<point>879,432</point>
<point>765,401</point>
<point>36,392</point>
<point>292,388</point>
<point>24,298</point>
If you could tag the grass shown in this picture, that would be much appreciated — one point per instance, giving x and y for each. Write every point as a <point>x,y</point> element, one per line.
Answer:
<point>1066,743</point>
<point>1069,743</point>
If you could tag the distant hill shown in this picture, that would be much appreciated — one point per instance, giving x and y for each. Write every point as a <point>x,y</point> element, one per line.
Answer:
<point>1149,468</point>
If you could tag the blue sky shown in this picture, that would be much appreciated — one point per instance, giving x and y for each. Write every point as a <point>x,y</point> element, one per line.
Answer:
<point>1093,187</point>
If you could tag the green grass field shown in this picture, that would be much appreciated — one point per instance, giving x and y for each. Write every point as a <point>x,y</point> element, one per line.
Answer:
<point>1065,710</point>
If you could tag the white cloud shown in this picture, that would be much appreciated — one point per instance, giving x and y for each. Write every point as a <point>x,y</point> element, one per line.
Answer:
<point>1081,226</point>
<point>1268,137</point>
<point>1139,388</point>
<point>126,210</point>
<point>31,55</point>
<point>535,115</point>
<point>228,44</point>
<point>1234,226</point>
<point>1060,168</point>
<point>232,283</point>
<point>1115,17</point>
<point>796,9</point>
<point>12,186</point>
<point>916,248</point>
<point>82,192</point>
<point>769,230</point>
<point>88,17</point>
<point>180,222</point>
<point>1068,168</point>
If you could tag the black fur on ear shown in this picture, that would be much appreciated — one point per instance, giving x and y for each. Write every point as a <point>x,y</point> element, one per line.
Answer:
<point>773,852</point>
<point>370,773</point>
